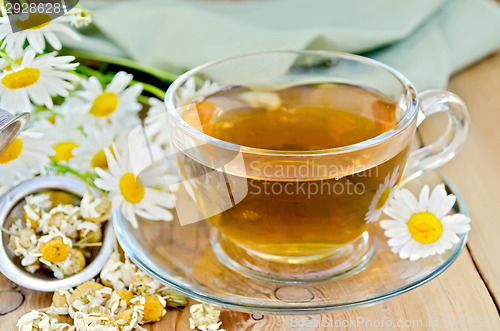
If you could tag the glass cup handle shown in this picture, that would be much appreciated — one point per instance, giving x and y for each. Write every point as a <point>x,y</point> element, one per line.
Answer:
<point>452,139</point>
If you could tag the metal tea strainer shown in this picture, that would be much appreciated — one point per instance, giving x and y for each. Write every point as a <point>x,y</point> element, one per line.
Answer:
<point>10,127</point>
<point>11,209</point>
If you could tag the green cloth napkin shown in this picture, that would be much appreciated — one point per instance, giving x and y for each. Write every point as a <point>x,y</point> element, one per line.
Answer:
<point>427,40</point>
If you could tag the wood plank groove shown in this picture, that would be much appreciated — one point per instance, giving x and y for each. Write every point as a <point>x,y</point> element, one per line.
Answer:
<point>475,170</point>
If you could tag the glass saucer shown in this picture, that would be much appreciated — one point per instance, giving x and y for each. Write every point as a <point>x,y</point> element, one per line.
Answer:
<point>182,257</point>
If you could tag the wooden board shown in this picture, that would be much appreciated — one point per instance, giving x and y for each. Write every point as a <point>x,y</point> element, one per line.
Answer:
<point>457,295</point>
<point>476,170</point>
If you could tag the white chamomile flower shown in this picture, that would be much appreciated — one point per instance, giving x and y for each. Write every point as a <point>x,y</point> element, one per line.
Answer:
<point>16,55</point>
<point>189,94</point>
<point>422,228</point>
<point>156,123</point>
<point>67,137</point>
<point>384,194</point>
<point>116,103</point>
<point>91,155</point>
<point>135,195</point>
<point>25,157</point>
<point>140,139</point>
<point>37,35</point>
<point>80,16</point>
<point>36,80</point>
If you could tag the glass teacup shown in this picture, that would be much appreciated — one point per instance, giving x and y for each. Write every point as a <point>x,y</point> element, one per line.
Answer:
<point>293,155</point>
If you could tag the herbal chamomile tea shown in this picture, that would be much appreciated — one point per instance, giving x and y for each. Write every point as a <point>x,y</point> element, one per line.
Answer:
<point>288,211</point>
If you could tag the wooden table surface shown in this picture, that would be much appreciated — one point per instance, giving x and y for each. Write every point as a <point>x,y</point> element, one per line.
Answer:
<point>468,291</point>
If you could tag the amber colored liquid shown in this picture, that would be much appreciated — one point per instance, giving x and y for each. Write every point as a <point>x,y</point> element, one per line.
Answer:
<point>298,217</point>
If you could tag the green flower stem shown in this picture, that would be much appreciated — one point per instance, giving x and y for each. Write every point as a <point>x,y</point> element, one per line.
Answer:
<point>157,92</point>
<point>143,99</point>
<point>84,240</point>
<point>9,60</point>
<point>88,245</point>
<point>87,71</point>
<point>106,78</point>
<point>79,74</point>
<point>159,73</point>
<point>63,169</point>
<point>174,299</point>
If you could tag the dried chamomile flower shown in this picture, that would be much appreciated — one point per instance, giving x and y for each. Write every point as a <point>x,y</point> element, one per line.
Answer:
<point>93,299</point>
<point>60,198</point>
<point>40,201</point>
<point>63,213</point>
<point>95,322</point>
<point>130,319</point>
<point>33,208</point>
<point>89,234</point>
<point>82,291</point>
<point>143,284</point>
<point>96,210</point>
<point>119,301</point>
<point>64,218</point>
<point>52,229</point>
<point>152,307</point>
<point>98,310</point>
<point>118,274</point>
<point>74,263</point>
<point>173,298</point>
<point>125,295</point>
<point>205,318</point>
<point>33,267</point>
<point>31,259</point>
<point>35,205</point>
<point>55,250</point>
<point>30,217</point>
<point>125,317</point>
<point>60,302</point>
<point>22,238</point>
<point>36,320</point>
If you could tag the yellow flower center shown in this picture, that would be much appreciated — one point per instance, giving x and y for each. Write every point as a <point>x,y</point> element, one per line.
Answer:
<point>34,21</point>
<point>52,119</point>
<point>12,151</point>
<point>425,228</point>
<point>131,190</point>
<point>60,198</point>
<point>153,309</point>
<point>8,66</point>
<point>64,151</point>
<point>99,160</point>
<point>55,250</point>
<point>104,105</point>
<point>21,79</point>
<point>382,199</point>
